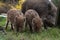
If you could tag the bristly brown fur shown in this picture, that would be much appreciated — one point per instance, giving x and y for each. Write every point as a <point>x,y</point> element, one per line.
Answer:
<point>31,17</point>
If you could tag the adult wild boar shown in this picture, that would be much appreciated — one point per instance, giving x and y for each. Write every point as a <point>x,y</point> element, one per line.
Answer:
<point>52,16</point>
<point>43,7</point>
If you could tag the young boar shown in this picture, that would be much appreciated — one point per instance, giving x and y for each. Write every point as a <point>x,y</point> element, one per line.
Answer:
<point>16,18</point>
<point>30,16</point>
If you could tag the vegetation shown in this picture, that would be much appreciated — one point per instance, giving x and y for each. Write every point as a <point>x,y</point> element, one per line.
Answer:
<point>2,21</point>
<point>15,4</point>
<point>19,5</point>
<point>49,34</point>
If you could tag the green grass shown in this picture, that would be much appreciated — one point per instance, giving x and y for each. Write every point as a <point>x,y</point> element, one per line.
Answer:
<point>2,21</point>
<point>49,34</point>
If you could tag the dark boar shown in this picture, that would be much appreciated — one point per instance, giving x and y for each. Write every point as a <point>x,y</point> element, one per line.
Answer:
<point>52,16</point>
<point>43,7</point>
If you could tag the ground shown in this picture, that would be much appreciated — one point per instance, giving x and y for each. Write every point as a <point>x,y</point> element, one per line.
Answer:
<point>52,33</point>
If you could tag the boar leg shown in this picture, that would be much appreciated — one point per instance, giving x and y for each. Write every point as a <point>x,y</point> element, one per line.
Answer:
<point>30,26</point>
<point>11,26</point>
<point>7,24</point>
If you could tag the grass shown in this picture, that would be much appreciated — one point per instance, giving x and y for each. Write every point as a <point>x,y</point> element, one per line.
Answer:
<point>2,21</point>
<point>49,34</point>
